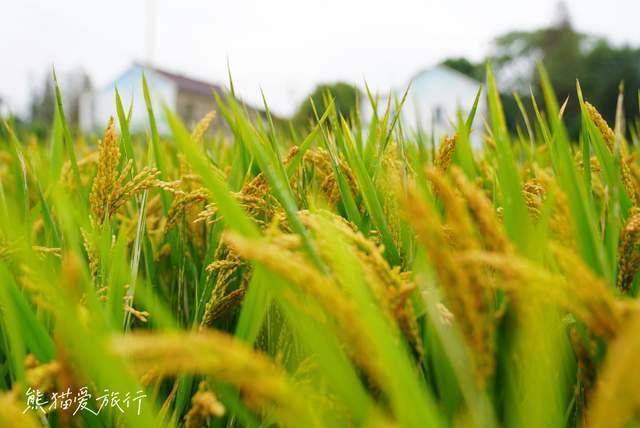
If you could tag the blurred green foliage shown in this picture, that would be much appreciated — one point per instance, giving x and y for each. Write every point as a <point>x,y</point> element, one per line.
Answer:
<point>567,54</point>
<point>345,99</point>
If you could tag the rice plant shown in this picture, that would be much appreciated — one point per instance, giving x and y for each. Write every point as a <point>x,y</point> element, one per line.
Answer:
<point>354,275</point>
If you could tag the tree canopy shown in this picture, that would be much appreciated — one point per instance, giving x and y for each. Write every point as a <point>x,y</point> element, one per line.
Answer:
<point>345,98</point>
<point>567,55</point>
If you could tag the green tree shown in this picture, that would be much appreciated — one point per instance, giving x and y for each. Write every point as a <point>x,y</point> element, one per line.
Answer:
<point>605,67</point>
<point>466,67</point>
<point>567,55</point>
<point>345,97</point>
<point>559,47</point>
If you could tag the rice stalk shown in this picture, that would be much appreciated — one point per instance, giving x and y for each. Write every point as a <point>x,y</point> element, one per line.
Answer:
<point>263,386</point>
<point>202,126</point>
<point>445,153</point>
<point>204,405</point>
<point>615,402</point>
<point>106,176</point>
<point>301,273</point>
<point>465,295</point>
<point>629,251</point>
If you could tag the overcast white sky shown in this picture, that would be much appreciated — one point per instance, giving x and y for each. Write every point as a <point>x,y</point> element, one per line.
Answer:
<point>283,46</point>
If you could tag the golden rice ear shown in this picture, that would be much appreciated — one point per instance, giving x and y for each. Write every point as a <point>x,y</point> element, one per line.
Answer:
<point>588,294</point>
<point>180,204</point>
<point>607,133</point>
<point>105,179</point>
<point>465,287</point>
<point>391,287</point>
<point>146,179</point>
<point>324,171</point>
<point>615,402</point>
<point>445,153</point>
<point>204,405</point>
<point>630,185</point>
<point>609,137</point>
<point>227,268</point>
<point>263,385</point>
<point>576,289</point>
<point>628,252</point>
<point>325,290</point>
<point>536,191</point>
<point>490,228</point>
<point>92,254</point>
<point>457,216</point>
<point>109,191</point>
<point>202,126</point>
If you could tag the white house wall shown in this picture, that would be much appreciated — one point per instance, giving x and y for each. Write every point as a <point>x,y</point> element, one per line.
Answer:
<point>163,92</point>
<point>436,89</point>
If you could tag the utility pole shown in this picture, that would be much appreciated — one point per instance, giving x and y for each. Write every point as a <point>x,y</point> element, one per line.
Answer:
<point>151,32</point>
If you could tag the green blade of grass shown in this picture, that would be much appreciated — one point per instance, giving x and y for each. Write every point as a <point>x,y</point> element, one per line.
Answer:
<point>516,216</point>
<point>155,141</point>
<point>370,196</point>
<point>274,173</point>
<point>233,215</point>
<point>127,146</point>
<point>68,142</point>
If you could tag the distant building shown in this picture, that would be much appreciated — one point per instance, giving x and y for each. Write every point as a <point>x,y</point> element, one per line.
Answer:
<point>190,98</point>
<point>435,96</point>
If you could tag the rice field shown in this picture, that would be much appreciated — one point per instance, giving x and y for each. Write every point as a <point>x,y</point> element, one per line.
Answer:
<point>353,274</point>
